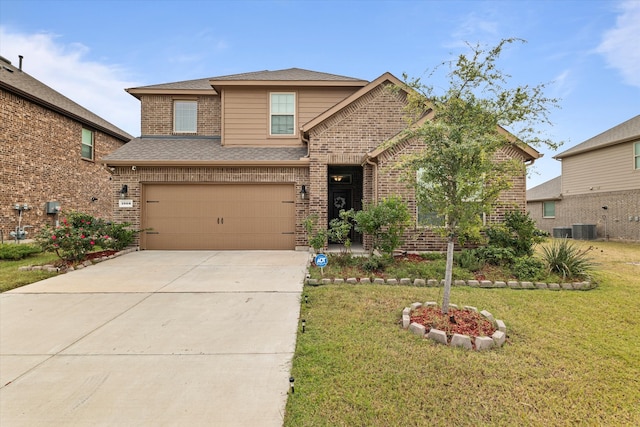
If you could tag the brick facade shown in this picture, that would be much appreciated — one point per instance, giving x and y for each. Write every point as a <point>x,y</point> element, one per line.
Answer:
<point>40,161</point>
<point>345,138</point>
<point>157,115</point>
<point>621,219</point>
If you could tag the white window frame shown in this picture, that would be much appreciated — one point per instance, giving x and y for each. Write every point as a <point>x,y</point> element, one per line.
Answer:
<point>91,145</point>
<point>544,210</point>
<point>272,114</point>
<point>179,123</point>
<point>636,156</point>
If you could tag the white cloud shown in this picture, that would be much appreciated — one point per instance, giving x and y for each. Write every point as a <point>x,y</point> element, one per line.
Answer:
<point>620,44</point>
<point>96,86</point>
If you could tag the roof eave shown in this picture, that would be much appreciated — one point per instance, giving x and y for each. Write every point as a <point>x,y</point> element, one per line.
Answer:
<point>123,137</point>
<point>138,92</point>
<point>570,152</point>
<point>282,83</point>
<point>303,162</point>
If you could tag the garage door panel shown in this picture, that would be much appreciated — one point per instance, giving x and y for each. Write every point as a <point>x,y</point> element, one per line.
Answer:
<point>219,216</point>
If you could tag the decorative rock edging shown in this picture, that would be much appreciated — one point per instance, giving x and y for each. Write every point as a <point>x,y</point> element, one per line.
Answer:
<point>512,284</point>
<point>457,340</point>
<point>87,263</point>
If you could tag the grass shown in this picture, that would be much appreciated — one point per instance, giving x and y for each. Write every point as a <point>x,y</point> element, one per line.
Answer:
<point>11,277</point>
<point>571,357</point>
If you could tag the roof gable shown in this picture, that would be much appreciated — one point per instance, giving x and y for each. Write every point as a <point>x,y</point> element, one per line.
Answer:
<point>17,81</point>
<point>386,77</point>
<point>624,132</point>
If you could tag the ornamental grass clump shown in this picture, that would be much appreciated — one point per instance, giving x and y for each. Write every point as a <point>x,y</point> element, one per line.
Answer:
<point>568,260</point>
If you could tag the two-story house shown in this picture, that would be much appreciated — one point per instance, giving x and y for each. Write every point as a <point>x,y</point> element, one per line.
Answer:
<point>49,147</point>
<point>239,161</point>
<point>599,186</point>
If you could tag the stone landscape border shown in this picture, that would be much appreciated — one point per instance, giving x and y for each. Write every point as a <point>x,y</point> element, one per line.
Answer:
<point>457,340</point>
<point>511,284</point>
<point>53,269</point>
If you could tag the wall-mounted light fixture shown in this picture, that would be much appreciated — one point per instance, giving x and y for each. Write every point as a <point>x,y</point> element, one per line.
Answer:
<point>94,199</point>
<point>303,193</point>
<point>123,191</point>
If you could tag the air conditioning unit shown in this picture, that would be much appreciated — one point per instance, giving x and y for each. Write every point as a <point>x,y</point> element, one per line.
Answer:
<point>584,231</point>
<point>562,232</point>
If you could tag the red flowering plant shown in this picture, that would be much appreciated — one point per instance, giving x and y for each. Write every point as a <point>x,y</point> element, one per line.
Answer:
<point>76,235</point>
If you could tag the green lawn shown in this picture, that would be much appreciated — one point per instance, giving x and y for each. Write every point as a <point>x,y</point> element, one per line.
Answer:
<point>11,277</point>
<point>572,357</point>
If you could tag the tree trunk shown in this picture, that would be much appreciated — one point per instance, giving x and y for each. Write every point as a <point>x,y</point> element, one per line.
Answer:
<point>447,276</point>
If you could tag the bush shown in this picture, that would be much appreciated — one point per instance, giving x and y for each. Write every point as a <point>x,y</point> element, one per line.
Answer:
<point>518,232</point>
<point>528,268</point>
<point>340,228</point>
<point>374,262</point>
<point>316,237</point>
<point>385,222</point>
<point>433,256</point>
<point>468,259</point>
<point>79,233</point>
<point>567,260</point>
<point>496,255</point>
<point>18,251</point>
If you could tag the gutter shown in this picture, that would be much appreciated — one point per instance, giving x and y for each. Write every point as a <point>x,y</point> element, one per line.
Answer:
<point>302,163</point>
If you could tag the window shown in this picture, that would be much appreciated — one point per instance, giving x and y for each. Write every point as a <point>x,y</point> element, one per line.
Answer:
<point>636,152</point>
<point>548,209</point>
<point>283,113</point>
<point>425,213</point>
<point>185,116</point>
<point>87,144</point>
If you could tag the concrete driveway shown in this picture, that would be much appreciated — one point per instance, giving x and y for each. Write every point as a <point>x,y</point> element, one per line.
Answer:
<point>162,338</point>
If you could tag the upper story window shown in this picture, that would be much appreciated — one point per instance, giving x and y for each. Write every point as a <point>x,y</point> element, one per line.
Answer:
<point>636,152</point>
<point>185,116</point>
<point>87,144</point>
<point>282,113</point>
<point>549,209</point>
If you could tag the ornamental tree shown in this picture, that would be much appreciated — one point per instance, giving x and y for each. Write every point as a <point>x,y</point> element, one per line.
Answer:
<point>462,128</point>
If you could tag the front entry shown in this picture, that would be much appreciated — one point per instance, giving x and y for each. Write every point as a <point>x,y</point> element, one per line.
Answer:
<point>345,192</point>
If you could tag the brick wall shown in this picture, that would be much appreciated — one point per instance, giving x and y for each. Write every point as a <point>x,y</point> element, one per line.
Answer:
<point>157,115</point>
<point>362,127</point>
<point>149,175</point>
<point>40,161</point>
<point>587,209</point>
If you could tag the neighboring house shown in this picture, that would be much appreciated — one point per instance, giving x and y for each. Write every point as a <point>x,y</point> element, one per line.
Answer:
<point>239,161</point>
<point>599,186</point>
<point>49,147</point>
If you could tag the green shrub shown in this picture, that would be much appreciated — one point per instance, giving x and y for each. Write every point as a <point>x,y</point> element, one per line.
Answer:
<point>385,222</point>
<point>433,256</point>
<point>495,255</point>
<point>18,251</point>
<point>120,236</point>
<point>468,259</point>
<point>374,263</point>
<point>518,232</point>
<point>528,268</point>
<point>315,236</point>
<point>340,228</point>
<point>567,260</point>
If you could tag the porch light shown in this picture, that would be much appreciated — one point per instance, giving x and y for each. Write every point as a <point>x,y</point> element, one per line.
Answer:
<point>303,192</point>
<point>336,178</point>
<point>123,191</point>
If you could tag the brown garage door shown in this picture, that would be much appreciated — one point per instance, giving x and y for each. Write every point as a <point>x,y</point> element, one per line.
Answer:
<point>218,216</point>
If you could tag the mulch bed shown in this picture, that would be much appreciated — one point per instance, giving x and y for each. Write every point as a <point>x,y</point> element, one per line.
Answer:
<point>456,321</point>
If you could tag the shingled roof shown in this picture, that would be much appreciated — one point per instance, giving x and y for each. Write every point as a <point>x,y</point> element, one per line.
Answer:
<point>549,190</point>
<point>266,76</point>
<point>198,150</point>
<point>14,80</point>
<point>624,132</point>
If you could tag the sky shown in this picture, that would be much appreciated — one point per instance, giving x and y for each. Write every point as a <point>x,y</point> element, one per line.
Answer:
<point>587,52</point>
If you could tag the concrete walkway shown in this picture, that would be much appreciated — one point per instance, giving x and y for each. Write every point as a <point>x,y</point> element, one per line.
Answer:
<point>162,338</point>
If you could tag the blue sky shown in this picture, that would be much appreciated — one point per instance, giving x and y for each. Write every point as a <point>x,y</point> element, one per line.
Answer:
<point>588,50</point>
